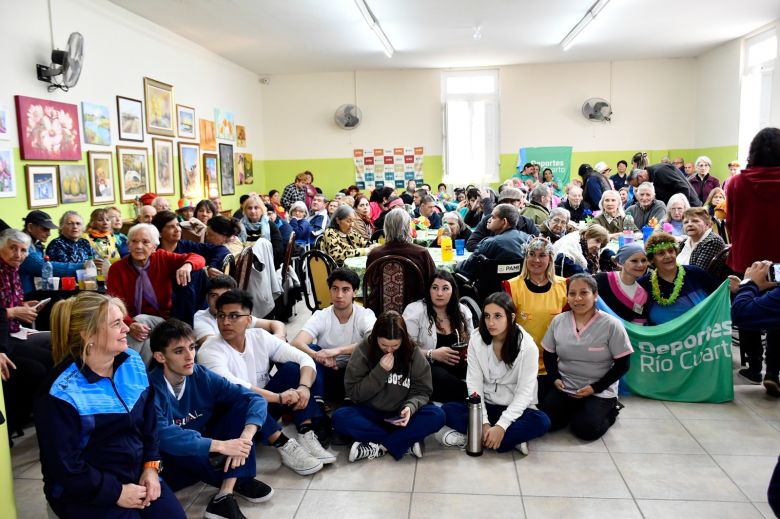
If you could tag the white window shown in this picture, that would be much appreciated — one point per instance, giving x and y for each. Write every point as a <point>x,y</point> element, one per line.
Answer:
<point>758,62</point>
<point>470,127</point>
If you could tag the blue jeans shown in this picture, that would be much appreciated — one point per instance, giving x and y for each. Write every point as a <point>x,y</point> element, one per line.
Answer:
<point>287,376</point>
<point>531,424</point>
<point>164,507</point>
<point>329,384</point>
<point>366,424</point>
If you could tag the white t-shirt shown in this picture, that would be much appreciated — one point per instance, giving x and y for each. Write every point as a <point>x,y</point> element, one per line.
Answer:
<point>327,332</point>
<point>205,324</point>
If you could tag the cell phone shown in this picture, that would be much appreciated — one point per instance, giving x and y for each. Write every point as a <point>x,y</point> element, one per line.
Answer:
<point>42,303</point>
<point>774,272</point>
<point>394,419</point>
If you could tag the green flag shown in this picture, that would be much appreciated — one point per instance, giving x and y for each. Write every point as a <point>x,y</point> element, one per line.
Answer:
<point>687,359</point>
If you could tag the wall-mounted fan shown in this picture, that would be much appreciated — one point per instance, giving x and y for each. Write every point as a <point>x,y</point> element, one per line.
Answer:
<point>65,64</point>
<point>597,109</point>
<point>348,116</point>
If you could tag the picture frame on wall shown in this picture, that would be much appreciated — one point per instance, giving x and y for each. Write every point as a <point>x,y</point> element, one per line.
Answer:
<point>133,170</point>
<point>96,124</point>
<point>210,174</point>
<point>160,116</point>
<point>162,154</point>
<point>249,174</point>
<point>5,124</point>
<point>7,176</point>
<point>101,177</point>
<point>74,187</point>
<point>185,117</point>
<point>189,171</point>
<point>226,125</point>
<point>208,135</point>
<point>41,185</point>
<point>240,136</point>
<point>129,116</point>
<point>48,130</point>
<point>227,178</point>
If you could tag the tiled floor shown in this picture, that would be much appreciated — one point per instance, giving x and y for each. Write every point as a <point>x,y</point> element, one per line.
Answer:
<point>660,460</point>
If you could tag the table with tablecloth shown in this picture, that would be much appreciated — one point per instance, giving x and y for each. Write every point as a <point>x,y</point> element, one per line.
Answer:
<point>358,263</point>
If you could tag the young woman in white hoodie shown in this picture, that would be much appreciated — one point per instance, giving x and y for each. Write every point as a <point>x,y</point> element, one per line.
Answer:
<point>502,368</point>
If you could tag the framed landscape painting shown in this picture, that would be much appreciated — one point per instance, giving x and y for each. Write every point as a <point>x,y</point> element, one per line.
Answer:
<point>228,186</point>
<point>73,183</point>
<point>160,117</point>
<point>226,125</point>
<point>7,177</point>
<point>97,125</point>
<point>41,186</point>
<point>133,168</point>
<point>162,153</point>
<point>101,177</point>
<point>185,116</point>
<point>129,114</point>
<point>210,174</point>
<point>208,135</point>
<point>48,130</point>
<point>189,170</point>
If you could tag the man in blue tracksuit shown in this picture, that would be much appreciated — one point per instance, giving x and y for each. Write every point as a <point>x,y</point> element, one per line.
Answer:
<point>205,423</point>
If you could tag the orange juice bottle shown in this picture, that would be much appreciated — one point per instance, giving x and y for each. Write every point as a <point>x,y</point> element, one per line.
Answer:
<point>446,243</point>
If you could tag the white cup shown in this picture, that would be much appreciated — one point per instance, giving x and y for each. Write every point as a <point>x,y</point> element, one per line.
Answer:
<point>55,283</point>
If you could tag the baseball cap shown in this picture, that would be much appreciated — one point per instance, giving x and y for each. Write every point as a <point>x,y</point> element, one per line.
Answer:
<point>39,218</point>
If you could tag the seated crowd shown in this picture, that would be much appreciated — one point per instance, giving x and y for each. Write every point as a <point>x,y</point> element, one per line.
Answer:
<point>175,346</point>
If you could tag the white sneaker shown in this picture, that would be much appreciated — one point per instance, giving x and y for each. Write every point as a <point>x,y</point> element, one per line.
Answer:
<point>312,445</point>
<point>366,451</point>
<point>415,450</point>
<point>522,448</point>
<point>449,437</point>
<point>298,459</point>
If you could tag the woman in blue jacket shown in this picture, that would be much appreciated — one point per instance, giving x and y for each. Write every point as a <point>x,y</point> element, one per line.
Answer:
<point>96,425</point>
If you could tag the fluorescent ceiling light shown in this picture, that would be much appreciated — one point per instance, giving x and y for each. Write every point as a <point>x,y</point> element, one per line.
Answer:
<point>373,24</point>
<point>589,16</point>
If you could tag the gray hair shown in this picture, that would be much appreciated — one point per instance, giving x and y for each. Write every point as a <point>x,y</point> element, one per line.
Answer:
<point>632,176</point>
<point>148,228</point>
<point>427,199</point>
<point>538,192</point>
<point>677,197</point>
<point>646,185</point>
<point>299,205</point>
<point>458,218</point>
<point>66,214</point>
<point>343,211</point>
<point>620,210</point>
<point>508,212</point>
<point>397,226</point>
<point>14,235</point>
<point>703,158</point>
<point>573,187</point>
<point>560,211</point>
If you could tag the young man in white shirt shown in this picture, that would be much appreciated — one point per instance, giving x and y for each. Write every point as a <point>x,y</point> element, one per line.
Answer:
<point>244,355</point>
<point>205,321</point>
<point>330,335</point>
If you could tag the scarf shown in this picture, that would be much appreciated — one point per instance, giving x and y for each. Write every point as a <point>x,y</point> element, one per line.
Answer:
<point>262,226</point>
<point>144,288</point>
<point>11,292</point>
<point>100,234</point>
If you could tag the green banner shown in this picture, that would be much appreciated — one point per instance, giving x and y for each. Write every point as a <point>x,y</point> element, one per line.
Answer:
<point>687,359</point>
<point>557,158</point>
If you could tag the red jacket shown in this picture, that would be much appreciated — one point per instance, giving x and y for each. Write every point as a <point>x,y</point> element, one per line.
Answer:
<point>753,198</point>
<point>162,268</point>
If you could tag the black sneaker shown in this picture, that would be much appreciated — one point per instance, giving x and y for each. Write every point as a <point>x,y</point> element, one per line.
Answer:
<point>772,385</point>
<point>254,491</point>
<point>754,377</point>
<point>223,508</point>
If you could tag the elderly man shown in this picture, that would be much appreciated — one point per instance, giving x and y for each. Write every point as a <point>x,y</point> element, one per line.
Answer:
<point>319,219</point>
<point>647,206</point>
<point>161,204</point>
<point>575,204</point>
<point>538,209</point>
<point>145,214</point>
<point>506,243</point>
<point>667,181</point>
<point>511,196</point>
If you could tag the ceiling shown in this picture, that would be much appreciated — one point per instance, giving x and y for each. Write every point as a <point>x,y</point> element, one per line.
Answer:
<point>299,36</point>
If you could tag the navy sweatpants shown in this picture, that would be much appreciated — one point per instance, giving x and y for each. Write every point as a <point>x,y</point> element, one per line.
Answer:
<point>531,424</point>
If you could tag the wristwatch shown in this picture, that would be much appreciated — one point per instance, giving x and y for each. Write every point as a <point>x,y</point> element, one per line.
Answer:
<point>157,465</point>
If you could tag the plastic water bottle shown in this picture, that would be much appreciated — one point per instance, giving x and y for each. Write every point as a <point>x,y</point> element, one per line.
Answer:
<point>474,436</point>
<point>446,243</point>
<point>46,274</point>
<point>91,269</point>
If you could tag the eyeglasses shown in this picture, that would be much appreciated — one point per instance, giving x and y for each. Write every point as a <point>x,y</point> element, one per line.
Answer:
<point>232,317</point>
<point>558,220</point>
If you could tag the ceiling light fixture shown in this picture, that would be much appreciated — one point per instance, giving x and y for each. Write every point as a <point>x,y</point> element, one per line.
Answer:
<point>594,10</point>
<point>373,24</point>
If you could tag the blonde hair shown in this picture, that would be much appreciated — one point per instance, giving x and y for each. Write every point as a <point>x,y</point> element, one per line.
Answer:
<point>253,199</point>
<point>85,313</point>
<point>539,244</point>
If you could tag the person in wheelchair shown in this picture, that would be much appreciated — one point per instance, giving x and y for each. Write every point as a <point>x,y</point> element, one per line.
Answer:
<point>507,242</point>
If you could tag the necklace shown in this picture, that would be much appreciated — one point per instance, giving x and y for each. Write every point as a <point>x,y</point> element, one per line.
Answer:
<point>678,283</point>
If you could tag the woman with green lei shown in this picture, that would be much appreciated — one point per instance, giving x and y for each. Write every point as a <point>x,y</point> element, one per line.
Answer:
<point>674,288</point>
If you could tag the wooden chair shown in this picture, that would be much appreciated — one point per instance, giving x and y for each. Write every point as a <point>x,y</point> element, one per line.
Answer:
<point>243,267</point>
<point>316,266</point>
<point>318,242</point>
<point>288,254</point>
<point>385,281</point>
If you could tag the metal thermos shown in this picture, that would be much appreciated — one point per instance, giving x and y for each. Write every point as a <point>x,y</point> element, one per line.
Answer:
<point>474,436</point>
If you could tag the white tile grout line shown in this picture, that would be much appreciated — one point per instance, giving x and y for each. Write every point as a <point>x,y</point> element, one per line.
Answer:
<point>515,458</point>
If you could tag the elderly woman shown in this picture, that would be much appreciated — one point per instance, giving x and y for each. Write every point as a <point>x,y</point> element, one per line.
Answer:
<point>115,215</point>
<point>224,231</point>
<point>702,182</point>
<point>341,240</point>
<point>70,247</point>
<point>398,241</point>
<point>100,236</point>
<point>38,226</point>
<point>539,295</point>
<point>556,224</point>
<point>716,207</point>
<point>458,228</point>
<point>674,288</point>
<point>362,223</point>
<point>612,213</point>
<point>678,203</point>
<point>300,225</point>
<point>702,244</point>
<point>620,291</point>
<point>580,251</point>
<point>585,379</point>
<point>144,281</point>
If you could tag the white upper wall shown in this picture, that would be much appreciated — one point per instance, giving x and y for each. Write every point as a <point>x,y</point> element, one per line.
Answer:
<point>717,80</point>
<point>120,48</point>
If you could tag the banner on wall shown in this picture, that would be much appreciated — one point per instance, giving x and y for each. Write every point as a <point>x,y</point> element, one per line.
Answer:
<point>687,359</point>
<point>557,158</point>
<point>380,167</point>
